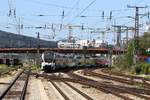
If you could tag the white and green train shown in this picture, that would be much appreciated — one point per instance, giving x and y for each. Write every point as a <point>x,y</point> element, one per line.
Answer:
<point>53,61</point>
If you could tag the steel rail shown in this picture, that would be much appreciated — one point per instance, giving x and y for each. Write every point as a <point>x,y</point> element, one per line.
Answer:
<point>124,75</point>
<point>60,91</point>
<point>97,85</point>
<point>132,78</point>
<point>9,87</point>
<point>23,93</point>
<point>108,87</point>
<point>77,90</point>
<point>85,82</point>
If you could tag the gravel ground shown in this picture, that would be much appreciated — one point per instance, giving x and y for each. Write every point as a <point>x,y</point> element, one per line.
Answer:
<point>73,95</point>
<point>51,91</point>
<point>42,89</point>
<point>94,93</point>
<point>36,90</point>
<point>6,80</point>
<point>108,81</point>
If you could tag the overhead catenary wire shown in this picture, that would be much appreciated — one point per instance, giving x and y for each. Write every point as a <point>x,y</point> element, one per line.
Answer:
<point>71,7</point>
<point>13,16</point>
<point>67,14</point>
<point>50,4</point>
<point>83,10</point>
<point>55,5</point>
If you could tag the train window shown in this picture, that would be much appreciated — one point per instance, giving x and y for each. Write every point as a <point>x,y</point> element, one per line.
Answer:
<point>78,57</point>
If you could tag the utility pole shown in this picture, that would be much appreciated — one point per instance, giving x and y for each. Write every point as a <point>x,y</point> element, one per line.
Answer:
<point>102,32</point>
<point>38,49</point>
<point>118,42</point>
<point>136,33</point>
<point>70,34</point>
<point>70,27</point>
<point>38,42</point>
<point>19,27</point>
<point>121,29</point>
<point>127,29</point>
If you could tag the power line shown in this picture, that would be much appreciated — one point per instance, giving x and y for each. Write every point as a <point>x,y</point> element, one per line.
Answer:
<point>50,4</point>
<point>72,8</point>
<point>82,11</point>
<point>140,2</point>
<point>55,5</point>
<point>86,7</point>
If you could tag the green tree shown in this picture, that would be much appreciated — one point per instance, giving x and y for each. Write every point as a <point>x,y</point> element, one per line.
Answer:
<point>144,41</point>
<point>129,54</point>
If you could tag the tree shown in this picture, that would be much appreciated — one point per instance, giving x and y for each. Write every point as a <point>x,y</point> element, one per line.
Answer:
<point>144,41</point>
<point>129,55</point>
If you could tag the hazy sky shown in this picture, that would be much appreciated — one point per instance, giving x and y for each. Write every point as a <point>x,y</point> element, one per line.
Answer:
<point>28,10</point>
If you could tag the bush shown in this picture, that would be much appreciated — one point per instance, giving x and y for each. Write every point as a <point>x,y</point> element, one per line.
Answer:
<point>35,68</point>
<point>142,68</point>
<point>145,68</point>
<point>138,69</point>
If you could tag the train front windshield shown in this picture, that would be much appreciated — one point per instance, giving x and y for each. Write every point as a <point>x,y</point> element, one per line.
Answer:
<point>48,57</point>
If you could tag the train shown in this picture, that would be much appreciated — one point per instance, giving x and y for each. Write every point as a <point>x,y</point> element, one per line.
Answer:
<point>53,61</point>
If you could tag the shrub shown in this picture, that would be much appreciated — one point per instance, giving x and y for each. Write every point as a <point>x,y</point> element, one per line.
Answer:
<point>145,68</point>
<point>138,69</point>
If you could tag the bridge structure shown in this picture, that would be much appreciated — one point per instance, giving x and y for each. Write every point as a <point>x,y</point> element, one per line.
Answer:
<point>63,50</point>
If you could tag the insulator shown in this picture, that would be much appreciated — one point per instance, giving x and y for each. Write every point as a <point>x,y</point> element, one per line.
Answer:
<point>52,27</point>
<point>82,27</point>
<point>110,15</point>
<point>45,26</point>
<point>14,12</point>
<point>82,16</point>
<point>63,14</point>
<point>40,15</point>
<point>60,26</point>
<point>9,13</point>
<point>21,26</point>
<point>103,14</point>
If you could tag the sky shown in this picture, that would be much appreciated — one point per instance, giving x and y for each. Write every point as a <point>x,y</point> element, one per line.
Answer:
<point>77,13</point>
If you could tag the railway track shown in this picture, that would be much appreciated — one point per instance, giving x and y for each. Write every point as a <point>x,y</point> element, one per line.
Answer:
<point>116,90</point>
<point>17,88</point>
<point>133,79</point>
<point>134,91</point>
<point>86,82</point>
<point>77,90</point>
<point>117,78</point>
<point>73,88</point>
<point>60,91</point>
<point>98,86</point>
<point>123,75</point>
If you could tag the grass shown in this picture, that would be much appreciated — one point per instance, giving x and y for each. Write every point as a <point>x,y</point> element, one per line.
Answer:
<point>4,69</point>
<point>148,76</point>
<point>35,69</point>
<point>124,70</point>
<point>139,86</point>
